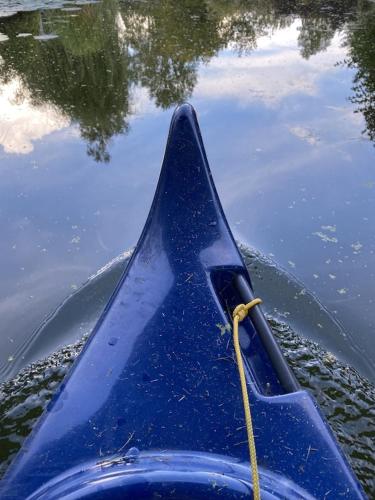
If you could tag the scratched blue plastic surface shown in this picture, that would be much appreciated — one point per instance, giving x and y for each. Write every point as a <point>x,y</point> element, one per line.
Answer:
<point>157,376</point>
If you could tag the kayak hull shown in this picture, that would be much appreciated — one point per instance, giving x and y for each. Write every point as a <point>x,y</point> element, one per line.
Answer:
<point>158,377</point>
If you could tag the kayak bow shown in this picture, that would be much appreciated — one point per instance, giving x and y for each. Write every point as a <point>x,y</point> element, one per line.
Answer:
<point>152,406</point>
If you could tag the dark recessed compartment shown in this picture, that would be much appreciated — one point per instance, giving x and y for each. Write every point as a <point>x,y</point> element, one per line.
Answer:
<point>267,367</point>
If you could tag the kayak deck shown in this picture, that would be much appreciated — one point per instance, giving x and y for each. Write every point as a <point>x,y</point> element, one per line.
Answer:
<point>156,387</point>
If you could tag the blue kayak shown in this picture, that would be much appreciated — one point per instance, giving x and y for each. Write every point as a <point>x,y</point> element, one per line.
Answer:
<point>152,407</point>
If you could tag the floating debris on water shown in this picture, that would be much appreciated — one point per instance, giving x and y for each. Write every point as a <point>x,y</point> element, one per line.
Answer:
<point>356,247</point>
<point>324,237</point>
<point>332,229</point>
<point>45,37</point>
<point>71,9</point>
<point>305,134</point>
<point>329,358</point>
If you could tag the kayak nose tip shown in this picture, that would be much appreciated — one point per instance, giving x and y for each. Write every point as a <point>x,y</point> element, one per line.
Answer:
<point>184,109</point>
<point>184,131</point>
<point>184,149</point>
<point>184,112</point>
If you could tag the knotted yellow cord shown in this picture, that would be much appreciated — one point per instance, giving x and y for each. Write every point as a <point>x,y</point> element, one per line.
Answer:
<point>240,313</point>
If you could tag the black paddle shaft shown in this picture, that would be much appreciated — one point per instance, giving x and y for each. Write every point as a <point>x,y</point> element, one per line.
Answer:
<point>282,369</point>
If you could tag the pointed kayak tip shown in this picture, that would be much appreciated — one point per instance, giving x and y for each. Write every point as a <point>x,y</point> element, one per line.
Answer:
<point>186,189</point>
<point>184,134</point>
<point>184,111</point>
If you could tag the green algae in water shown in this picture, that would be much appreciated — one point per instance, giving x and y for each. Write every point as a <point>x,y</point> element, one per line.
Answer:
<point>346,398</point>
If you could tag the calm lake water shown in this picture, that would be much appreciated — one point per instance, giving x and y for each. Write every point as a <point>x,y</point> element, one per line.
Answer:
<point>285,95</point>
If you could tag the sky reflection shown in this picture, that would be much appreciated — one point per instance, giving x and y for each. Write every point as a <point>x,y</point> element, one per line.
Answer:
<point>21,122</point>
<point>272,73</point>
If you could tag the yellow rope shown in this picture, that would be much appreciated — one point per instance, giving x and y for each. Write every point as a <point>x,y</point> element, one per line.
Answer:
<point>240,313</point>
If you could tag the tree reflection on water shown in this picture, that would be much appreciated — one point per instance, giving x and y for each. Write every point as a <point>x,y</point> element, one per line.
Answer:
<point>104,50</point>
